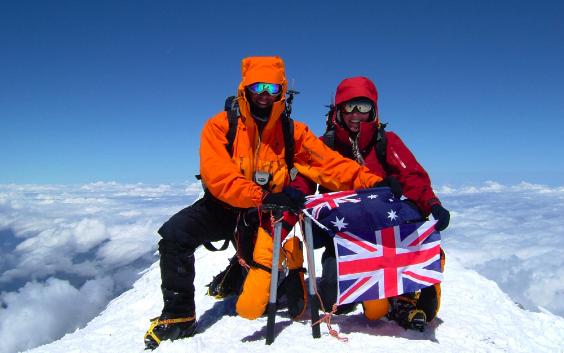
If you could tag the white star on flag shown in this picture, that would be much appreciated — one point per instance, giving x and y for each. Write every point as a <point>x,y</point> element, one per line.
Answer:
<point>373,196</point>
<point>392,215</point>
<point>339,223</point>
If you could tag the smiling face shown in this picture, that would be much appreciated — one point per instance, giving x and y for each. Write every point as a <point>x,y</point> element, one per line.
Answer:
<point>355,112</point>
<point>262,100</point>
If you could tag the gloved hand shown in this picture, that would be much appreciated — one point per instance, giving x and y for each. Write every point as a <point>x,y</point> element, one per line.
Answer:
<point>249,219</point>
<point>393,184</point>
<point>441,215</point>
<point>289,198</point>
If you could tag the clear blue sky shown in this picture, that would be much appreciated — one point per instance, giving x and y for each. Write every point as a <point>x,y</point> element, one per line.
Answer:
<point>119,90</point>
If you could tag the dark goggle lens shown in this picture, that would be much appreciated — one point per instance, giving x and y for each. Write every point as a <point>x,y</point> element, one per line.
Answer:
<point>362,107</point>
<point>271,88</point>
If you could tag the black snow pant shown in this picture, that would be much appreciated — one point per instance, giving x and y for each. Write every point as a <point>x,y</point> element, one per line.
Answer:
<point>204,221</point>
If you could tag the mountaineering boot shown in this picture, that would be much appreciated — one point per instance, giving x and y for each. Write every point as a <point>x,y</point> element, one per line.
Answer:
<point>171,328</point>
<point>228,282</point>
<point>405,312</point>
<point>176,321</point>
<point>344,309</point>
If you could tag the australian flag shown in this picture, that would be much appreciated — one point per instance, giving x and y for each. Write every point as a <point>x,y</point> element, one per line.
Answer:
<point>384,247</point>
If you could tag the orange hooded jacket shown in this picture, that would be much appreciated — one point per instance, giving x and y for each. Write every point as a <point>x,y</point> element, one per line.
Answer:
<point>230,179</point>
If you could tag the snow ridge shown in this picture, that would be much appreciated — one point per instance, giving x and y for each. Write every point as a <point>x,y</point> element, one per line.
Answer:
<point>475,316</point>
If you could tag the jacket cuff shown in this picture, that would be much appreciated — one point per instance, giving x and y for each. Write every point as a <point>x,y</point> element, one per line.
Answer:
<point>432,202</point>
<point>429,204</point>
<point>258,196</point>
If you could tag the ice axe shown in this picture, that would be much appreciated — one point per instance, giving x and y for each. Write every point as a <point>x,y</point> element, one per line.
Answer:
<point>277,212</point>
<point>271,308</point>
<point>313,303</point>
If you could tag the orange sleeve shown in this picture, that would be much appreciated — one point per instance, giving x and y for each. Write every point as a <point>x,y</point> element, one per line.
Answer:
<point>326,167</point>
<point>219,173</point>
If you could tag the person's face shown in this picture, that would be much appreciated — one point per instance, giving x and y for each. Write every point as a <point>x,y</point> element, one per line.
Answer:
<point>262,100</point>
<point>263,95</point>
<point>355,112</point>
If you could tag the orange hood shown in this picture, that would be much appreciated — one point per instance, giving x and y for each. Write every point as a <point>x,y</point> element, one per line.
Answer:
<point>262,69</point>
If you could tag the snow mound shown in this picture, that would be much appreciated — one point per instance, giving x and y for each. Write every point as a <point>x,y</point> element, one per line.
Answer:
<point>475,316</point>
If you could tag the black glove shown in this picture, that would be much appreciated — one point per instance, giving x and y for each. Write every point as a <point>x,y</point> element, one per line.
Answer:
<point>249,219</point>
<point>290,198</point>
<point>393,184</point>
<point>441,215</point>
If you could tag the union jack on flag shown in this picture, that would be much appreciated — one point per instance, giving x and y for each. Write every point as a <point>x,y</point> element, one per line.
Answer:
<point>330,200</point>
<point>383,247</point>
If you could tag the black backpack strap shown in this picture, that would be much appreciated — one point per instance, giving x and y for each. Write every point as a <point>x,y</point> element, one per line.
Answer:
<point>232,109</point>
<point>329,117</point>
<point>208,245</point>
<point>329,138</point>
<point>380,145</point>
<point>288,131</point>
<point>329,135</point>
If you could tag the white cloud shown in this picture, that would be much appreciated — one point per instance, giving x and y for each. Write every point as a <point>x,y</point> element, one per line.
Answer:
<point>80,246</point>
<point>512,235</point>
<point>88,233</point>
<point>41,312</point>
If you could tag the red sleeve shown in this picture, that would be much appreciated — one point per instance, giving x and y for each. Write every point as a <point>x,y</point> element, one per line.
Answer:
<point>414,179</point>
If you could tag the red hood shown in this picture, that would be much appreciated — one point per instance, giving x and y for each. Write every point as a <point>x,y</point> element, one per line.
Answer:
<point>354,87</point>
<point>348,89</point>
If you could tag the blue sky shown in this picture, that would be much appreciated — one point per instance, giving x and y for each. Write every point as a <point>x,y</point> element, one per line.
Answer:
<point>119,90</point>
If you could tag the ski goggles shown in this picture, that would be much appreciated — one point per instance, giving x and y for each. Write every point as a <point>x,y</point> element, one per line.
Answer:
<point>362,106</point>
<point>259,87</point>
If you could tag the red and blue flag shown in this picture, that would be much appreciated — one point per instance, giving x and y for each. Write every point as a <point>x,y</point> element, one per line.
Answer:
<point>384,248</point>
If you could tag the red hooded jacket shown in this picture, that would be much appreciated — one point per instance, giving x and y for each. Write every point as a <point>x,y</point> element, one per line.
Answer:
<point>401,163</point>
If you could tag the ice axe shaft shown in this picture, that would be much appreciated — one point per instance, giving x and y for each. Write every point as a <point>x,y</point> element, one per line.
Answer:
<point>313,303</point>
<point>271,308</point>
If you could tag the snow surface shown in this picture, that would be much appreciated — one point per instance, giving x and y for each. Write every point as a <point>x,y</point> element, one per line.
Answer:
<point>476,316</point>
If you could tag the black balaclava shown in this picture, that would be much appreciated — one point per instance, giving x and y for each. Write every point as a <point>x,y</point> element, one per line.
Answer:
<point>260,115</point>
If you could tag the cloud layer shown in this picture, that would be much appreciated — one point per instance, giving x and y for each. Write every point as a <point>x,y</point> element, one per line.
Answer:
<point>512,235</point>
<point>66,251</point>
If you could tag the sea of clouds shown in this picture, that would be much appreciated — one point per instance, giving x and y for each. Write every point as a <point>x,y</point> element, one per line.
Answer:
<point>513,235</point>
<point>66,251</point>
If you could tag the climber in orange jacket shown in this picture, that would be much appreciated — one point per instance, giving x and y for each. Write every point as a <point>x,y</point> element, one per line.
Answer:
<point>254,174</point>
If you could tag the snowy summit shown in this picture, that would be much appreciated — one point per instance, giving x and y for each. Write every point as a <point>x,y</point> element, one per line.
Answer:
<point>475,316</point>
